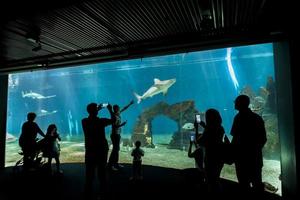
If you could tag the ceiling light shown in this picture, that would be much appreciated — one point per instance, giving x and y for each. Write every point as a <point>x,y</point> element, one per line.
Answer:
<point>37,48</point>
<point>32,40</point>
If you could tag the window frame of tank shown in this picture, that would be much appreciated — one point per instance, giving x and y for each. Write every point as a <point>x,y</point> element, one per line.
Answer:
<point>285,112</point>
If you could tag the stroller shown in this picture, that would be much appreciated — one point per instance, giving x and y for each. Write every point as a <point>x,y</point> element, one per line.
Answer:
<point>37,162</point>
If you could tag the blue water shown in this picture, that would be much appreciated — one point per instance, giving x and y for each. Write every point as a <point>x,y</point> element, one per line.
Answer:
<point>204,77</point>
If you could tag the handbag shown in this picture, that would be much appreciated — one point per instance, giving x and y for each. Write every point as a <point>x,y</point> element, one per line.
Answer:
<point>227,151</point>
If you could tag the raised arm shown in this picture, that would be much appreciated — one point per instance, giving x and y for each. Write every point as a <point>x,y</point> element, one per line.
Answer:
<point>109,108</point>
<point>112,116</point>
<point>127,106</point>
<point>196,125</point>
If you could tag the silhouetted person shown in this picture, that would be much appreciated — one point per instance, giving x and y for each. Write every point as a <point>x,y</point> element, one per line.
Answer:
<point>96,147</point>
<point>271,98</point>
<point>27,140</point>
<point>52,147</point>
<point>212,140</point>
<point>116,136</point>
<point>198,153</point>
<point>249,138</point>
<point>137,154</point>
<point>195,175</point>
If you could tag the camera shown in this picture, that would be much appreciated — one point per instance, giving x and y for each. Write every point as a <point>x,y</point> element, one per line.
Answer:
<point>197,118</point>
<point>102,105</point>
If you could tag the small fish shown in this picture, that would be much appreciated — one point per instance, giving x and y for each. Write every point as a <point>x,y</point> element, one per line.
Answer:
<point>188,126</point>
<point>45,112</point>
<point>270,188</point>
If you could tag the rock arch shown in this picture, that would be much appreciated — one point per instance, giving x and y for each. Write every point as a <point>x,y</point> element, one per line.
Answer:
<point>181,113</point>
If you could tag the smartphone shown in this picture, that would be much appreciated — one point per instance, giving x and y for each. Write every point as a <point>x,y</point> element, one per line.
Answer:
<point>198,118</point>
<point>104,105</point>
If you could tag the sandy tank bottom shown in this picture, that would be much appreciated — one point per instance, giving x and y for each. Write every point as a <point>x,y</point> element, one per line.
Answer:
<point>73,152</point>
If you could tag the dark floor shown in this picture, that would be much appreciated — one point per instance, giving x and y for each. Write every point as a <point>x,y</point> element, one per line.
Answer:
<point>157,182</point>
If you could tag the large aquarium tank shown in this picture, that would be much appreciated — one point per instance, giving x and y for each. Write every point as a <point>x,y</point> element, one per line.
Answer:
<point>167,92</point>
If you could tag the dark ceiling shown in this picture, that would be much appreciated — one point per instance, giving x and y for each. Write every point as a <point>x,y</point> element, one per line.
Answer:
<point>57,33</point>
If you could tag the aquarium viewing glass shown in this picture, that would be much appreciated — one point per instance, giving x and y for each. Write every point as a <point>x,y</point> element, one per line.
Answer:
<point>167,91</point>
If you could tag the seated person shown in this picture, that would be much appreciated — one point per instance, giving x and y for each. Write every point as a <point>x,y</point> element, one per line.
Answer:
<point>28,140</point>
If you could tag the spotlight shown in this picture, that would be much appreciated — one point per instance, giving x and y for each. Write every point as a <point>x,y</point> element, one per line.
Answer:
<point>32,40</point>
<point>37,48</point>
<point>33,36</point>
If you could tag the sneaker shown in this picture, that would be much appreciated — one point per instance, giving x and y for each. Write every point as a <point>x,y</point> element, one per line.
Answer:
<point>120,166</point>
<point>114,168</point>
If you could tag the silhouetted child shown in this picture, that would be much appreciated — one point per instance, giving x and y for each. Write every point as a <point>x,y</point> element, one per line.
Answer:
<point>197,154</point>
<point>52,147</point>
<point>196,175</point>
<point>137,154</point>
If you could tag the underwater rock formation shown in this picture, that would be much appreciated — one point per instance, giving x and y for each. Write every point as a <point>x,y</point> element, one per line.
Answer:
<point>181,113</point>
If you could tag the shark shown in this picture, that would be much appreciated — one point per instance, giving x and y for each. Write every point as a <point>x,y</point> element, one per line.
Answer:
<point>45,112</point>
<point>158,87</point>
<point>34,95</point>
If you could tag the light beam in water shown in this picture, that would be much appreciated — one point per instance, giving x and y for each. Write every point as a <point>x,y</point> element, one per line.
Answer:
<point>230,69</point>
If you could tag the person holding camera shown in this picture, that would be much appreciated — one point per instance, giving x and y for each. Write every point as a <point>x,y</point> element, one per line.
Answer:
<point>198,153</point>
<point>195,150</point>
<point>212,141</point>
<point>96,146</point>
<point>116,136</point>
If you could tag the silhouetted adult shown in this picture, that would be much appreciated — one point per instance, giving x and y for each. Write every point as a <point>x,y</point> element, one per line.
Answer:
<point>212,140</point>
<point>27,140</point>
<point>96,147</point>
<point>249,137</point>
<point>116,136</point>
